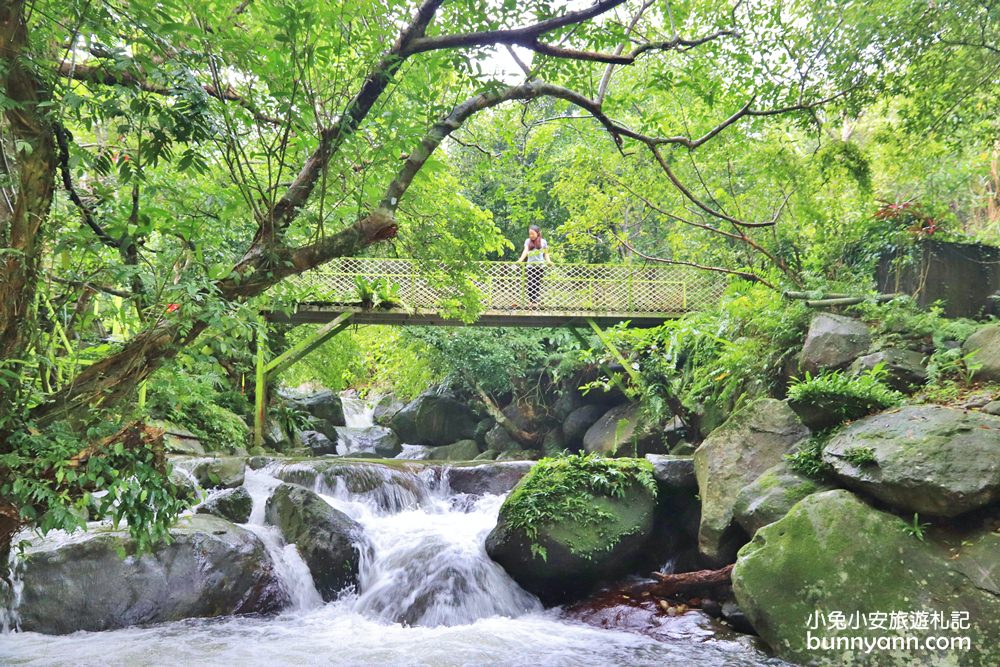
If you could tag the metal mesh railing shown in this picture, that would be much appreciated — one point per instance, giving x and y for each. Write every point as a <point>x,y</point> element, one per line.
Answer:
<point>510,287</point>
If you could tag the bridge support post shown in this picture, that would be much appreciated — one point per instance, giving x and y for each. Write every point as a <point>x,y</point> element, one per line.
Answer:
<point>260,388</point>
<point>265,370</point>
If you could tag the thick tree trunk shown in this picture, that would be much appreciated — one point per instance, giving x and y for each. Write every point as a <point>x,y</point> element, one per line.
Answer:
<point>34,157</point>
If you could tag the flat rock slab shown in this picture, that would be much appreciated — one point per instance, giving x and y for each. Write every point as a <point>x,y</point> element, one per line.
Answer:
<point>924,458</point>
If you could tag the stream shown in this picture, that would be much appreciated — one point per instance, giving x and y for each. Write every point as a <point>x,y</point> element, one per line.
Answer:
<point>428,595</point>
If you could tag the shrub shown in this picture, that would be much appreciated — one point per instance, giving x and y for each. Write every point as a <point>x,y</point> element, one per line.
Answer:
<point>843,396</point>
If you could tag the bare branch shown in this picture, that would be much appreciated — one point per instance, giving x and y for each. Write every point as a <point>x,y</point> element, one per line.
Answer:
<point>62,140</point>
<point>704,267</point>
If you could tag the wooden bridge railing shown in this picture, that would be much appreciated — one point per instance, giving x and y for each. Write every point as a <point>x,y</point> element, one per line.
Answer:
<point>582,289</point>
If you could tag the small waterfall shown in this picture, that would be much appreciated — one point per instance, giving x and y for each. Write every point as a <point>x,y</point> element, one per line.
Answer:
<point>10,596</point>
<point>358,412</point>
<point>288,564</point>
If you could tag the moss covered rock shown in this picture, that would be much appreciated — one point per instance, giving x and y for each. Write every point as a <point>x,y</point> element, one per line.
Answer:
<point>833,553</point>
<point>735,454</point>
<point>226,472</point>
<point>463,450</point>
<point>434,420</point>
<point>573,522</point>
<point>985,345</point>
<point>325,537</point>
<point>833,341</point>
<point>770,496</point>
<point>923,458</point>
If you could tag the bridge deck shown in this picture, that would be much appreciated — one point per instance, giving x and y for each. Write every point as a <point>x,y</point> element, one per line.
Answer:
<point>645,295</point>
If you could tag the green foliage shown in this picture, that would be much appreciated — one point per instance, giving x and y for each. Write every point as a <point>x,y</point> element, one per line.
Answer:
<point>845,396</point>
<point>808,459</point>
<point>561,489</point>
<point>727,355</point>
<point>192,400</point>
<point>40,477</point>
<point>860,456</point>
<point>916,528</point>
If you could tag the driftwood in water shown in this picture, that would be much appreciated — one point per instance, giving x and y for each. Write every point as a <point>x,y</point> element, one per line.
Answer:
<point>697,582</point>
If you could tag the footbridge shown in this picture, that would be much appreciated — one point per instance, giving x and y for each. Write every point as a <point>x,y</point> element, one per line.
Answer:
<point>511,294</point>
<point>350,291</point>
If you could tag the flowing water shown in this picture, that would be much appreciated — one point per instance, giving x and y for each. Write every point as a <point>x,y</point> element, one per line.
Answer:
<point>428,595</point>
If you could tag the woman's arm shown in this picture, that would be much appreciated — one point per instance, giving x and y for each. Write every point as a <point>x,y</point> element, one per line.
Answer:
<point>524,255</point>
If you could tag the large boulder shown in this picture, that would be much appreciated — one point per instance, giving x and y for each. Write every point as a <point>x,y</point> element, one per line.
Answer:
<point>905,369</point>
<point>325,407</point>
<point>368,441</point>
<point>463,450</point>
<point>232,504</point>
<point>833,554</point>
<point>984,345</point>
<point>624,431</point>
<point>210,568</point>
<point>735,454</point>
<point>493,478</point>
<point>226,472</point>
<point>770,496</point>
<point>922,458</point>
<point>833,342</point>
<point>317,443</point>
<point>179,440</point>
<point>500,440</point>
<point>275,437</point>
<point>673,472</point>
<point>385,409</point>
<point>559,534</point>
<point>325,537</point>
<point>578,421</point>
<point>434,420</point>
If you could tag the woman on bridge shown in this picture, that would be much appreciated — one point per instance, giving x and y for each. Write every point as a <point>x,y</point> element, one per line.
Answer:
<point>536,252</point>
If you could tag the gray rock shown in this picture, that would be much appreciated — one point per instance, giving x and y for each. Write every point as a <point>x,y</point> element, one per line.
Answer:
<point>275,437</point>
<point>985,344</point>
<point>317,443</point>
<point>232,504</point>
<point>488,455</point>
<point>623,431</point>
<point>499,440</point>
<point>463,450</point>
<point>493,478</point>
<point>211,568</point>
<point>483,426</point>
<point>673,472</point>
<point>992,408</point>
<point>179,440</point>
<point>553,443</point>
<point>833,342</point>
<point>324,536</point>
<point>832,552</point>
<point>770,496</point>
<point>735,454</point>
<point>324,405</point>
<point>579,421</point>
<point>367,441</point>
<point>385,409</point>
<point>226,472</point>
<point>922,458</point>
<point>434,420</point>
<point>905,368</point>
<point>519,455</point>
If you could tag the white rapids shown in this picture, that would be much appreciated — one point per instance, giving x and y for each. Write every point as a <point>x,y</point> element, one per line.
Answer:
<point>428,595</point>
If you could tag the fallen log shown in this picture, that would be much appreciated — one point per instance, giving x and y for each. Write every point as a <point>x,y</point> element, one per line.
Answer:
<point>698,581</point>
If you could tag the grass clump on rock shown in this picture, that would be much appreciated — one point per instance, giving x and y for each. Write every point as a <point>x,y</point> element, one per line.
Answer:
<point>563,489</point>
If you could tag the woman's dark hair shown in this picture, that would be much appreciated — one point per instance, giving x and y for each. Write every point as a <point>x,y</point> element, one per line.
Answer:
<point>535,244</point>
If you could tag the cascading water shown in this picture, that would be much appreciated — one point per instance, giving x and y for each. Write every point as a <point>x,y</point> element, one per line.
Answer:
<point>428,595</point>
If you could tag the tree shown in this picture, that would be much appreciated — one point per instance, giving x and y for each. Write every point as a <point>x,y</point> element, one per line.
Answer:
<point>203,153</point>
